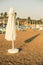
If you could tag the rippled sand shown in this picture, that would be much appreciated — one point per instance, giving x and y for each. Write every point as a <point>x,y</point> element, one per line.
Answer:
<point>30,45</point>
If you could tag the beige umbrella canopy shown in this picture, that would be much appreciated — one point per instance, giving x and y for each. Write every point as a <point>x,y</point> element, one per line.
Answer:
<point>10,34</point>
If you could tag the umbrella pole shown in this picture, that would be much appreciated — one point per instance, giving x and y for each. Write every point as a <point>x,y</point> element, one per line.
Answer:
<point>13,50</point>
<point>12,44</point>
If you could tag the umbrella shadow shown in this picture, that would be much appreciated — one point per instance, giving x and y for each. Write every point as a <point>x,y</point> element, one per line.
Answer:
<point>32,38</point>
<point>27,41</point>
<point>20,49</point>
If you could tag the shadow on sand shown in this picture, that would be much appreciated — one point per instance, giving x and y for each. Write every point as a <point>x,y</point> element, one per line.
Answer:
<point>20,49</point>
<point>27,41</point>
<point>32,38</point>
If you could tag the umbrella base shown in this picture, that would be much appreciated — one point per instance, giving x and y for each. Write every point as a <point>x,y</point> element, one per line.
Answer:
<point>13,50</point>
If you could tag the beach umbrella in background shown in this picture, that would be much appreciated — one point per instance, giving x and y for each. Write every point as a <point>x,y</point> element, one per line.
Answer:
<point>10,34</point>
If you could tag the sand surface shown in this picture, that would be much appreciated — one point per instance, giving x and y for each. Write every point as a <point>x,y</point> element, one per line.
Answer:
<point>30,45</point>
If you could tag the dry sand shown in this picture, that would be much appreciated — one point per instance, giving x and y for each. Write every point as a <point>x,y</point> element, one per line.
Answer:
<point>30,45</point>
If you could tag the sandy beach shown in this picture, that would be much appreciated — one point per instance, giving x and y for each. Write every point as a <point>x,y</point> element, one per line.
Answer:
<point>30,45</point>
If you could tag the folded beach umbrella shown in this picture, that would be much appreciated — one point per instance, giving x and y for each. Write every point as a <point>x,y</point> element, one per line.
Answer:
<point>10,34</point>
